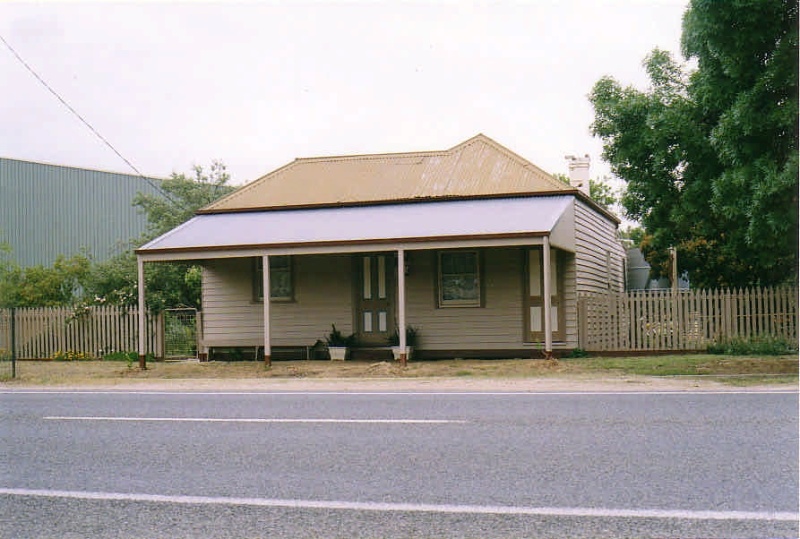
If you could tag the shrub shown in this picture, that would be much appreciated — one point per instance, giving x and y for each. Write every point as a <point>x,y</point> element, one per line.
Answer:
<point>71,355</point>
<point>337,338</point>
<point>576,353</point>
<point>121,356</point>
<point>762,345</point>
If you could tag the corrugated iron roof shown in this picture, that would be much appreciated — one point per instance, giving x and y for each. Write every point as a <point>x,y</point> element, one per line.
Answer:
<point>478,167</point>
<point>429,221</point>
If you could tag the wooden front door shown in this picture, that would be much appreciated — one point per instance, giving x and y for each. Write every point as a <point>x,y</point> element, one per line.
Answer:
<point>376,292</point>
<point>536,296</point>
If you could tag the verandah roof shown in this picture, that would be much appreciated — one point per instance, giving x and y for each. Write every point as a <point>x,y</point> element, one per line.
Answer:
<point>379,224</point>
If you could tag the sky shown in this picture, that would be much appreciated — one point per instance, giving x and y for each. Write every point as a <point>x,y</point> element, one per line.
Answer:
<point>258,84</point>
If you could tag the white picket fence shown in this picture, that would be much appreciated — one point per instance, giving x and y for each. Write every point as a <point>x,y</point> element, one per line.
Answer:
<point>41,333</point>
<point>685,320</point>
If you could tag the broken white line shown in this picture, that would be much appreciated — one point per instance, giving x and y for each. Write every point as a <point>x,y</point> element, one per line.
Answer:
<point>257,420</point>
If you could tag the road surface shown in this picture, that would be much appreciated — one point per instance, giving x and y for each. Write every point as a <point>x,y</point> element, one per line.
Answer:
<point>386,464</point>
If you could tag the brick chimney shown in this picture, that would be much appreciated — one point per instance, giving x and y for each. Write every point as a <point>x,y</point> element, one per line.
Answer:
<point>579,172</point>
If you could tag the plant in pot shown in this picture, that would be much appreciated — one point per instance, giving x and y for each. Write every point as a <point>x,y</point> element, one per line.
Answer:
<point>412,336</point>
<point>338,343</point>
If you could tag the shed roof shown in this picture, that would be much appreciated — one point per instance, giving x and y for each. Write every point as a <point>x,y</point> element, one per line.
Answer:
<point>450,220</point>
<point>478,167</point>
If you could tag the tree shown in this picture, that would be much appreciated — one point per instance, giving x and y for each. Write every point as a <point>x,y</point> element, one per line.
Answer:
<point>599,191</point>
<point>183,196</point>
<point>40,286</point>
<point>710,156</point>
<point>168,285</point>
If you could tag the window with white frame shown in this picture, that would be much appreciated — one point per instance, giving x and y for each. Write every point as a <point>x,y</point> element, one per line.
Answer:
<point>280,279</point>
<point>459,279</point>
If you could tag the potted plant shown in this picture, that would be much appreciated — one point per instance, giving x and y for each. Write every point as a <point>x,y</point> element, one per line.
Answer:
<point>412,335</point>
<point>338,343</point>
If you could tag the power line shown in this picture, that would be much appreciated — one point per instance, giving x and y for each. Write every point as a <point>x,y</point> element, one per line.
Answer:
<point>87,124</point>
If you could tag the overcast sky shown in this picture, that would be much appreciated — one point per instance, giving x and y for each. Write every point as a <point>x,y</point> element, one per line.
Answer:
<point>256,84</point>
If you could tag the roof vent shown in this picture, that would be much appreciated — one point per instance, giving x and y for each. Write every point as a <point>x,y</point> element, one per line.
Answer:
<point>579,172</point>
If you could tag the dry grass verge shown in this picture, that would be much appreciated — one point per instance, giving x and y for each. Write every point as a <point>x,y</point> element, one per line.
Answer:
<point>781,370</point>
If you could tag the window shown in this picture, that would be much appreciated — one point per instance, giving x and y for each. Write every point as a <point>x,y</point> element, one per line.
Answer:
<point>280,279</point>
<point>459,279</point>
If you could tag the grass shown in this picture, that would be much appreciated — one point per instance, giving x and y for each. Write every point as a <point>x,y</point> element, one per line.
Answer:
<point>735,370</point>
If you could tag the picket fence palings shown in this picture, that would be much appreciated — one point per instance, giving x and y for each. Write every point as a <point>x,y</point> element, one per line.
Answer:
<point>688,320</point>
<point>42,332</point>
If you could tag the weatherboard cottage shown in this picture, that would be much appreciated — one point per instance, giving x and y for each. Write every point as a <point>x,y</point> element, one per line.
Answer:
<point>482,252</point>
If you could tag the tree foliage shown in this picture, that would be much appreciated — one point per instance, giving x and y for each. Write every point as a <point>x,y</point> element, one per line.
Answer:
<point>710,155</point>
<point>169,284</point>
<point>182,197</point>
<point>40,286</point>
<point>599,191</point>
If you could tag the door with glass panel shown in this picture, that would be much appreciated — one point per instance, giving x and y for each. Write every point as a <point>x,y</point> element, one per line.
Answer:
<point>376,291</point>
<point>536,295</point>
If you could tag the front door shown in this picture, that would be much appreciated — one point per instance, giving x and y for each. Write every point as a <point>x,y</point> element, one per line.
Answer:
<point>536,295</point>
<point>375,305</point>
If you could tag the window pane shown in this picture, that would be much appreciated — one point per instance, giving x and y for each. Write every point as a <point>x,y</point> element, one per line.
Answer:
<point>382,321</point>
<point>459,277</point>
<point>278,262</point>
<point>367,277</point>
<point>459,287</point>
<point>381,277</point>
<point>280,284</point>
<point>367,321</point>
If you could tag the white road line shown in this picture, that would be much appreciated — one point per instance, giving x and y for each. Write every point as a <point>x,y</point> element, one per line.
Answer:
<point>438,393</point>
<point>585,512</point>
<point>257,420</point>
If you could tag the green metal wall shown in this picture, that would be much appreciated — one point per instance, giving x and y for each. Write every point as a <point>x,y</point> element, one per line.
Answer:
<point>47,210</point>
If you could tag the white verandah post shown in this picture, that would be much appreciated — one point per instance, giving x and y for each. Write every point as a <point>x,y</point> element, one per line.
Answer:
<point>265,296</point>
<point>401,305</point>
<point>547,299</point>
<point>142,325</point>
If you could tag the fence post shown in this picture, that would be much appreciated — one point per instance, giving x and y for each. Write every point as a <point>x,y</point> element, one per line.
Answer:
<point>13,344</point>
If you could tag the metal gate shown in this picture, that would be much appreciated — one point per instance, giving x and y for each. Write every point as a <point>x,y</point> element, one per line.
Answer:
<point>180,334</point>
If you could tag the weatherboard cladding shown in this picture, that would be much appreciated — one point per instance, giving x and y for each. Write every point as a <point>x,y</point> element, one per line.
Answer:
<point>475,168</point>
<point>599,254</point>
<point>324,295</point>
<point>47,210</point>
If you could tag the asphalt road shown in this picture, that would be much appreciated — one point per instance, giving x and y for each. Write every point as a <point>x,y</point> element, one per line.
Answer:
<point>398,465</point>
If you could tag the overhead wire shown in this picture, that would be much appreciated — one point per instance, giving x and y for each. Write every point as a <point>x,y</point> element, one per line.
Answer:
<point>84,121</point>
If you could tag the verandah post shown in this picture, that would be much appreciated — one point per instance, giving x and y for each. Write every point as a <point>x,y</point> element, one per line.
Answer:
<point>548,323</point>
<point>265,297</point>
<point>401,305</point>
<point>142,336</point>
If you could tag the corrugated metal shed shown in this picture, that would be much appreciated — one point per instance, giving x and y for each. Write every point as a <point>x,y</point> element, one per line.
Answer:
<point>475,168</point>
<point>47,210</point>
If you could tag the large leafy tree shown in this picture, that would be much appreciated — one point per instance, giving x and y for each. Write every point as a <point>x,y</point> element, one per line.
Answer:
<point>710,156</point>
<point>168,285</point>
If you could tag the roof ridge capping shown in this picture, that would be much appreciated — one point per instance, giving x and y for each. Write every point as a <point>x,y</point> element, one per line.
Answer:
<point>480,138</point>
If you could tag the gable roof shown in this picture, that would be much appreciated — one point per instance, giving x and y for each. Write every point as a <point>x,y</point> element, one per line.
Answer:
<point>476,168</point>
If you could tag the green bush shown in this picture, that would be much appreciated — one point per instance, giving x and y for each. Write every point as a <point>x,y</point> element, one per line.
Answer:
<point>577,353</point>
<point>71,355</point>
<point>121,356</point>
<point>765,345</point>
